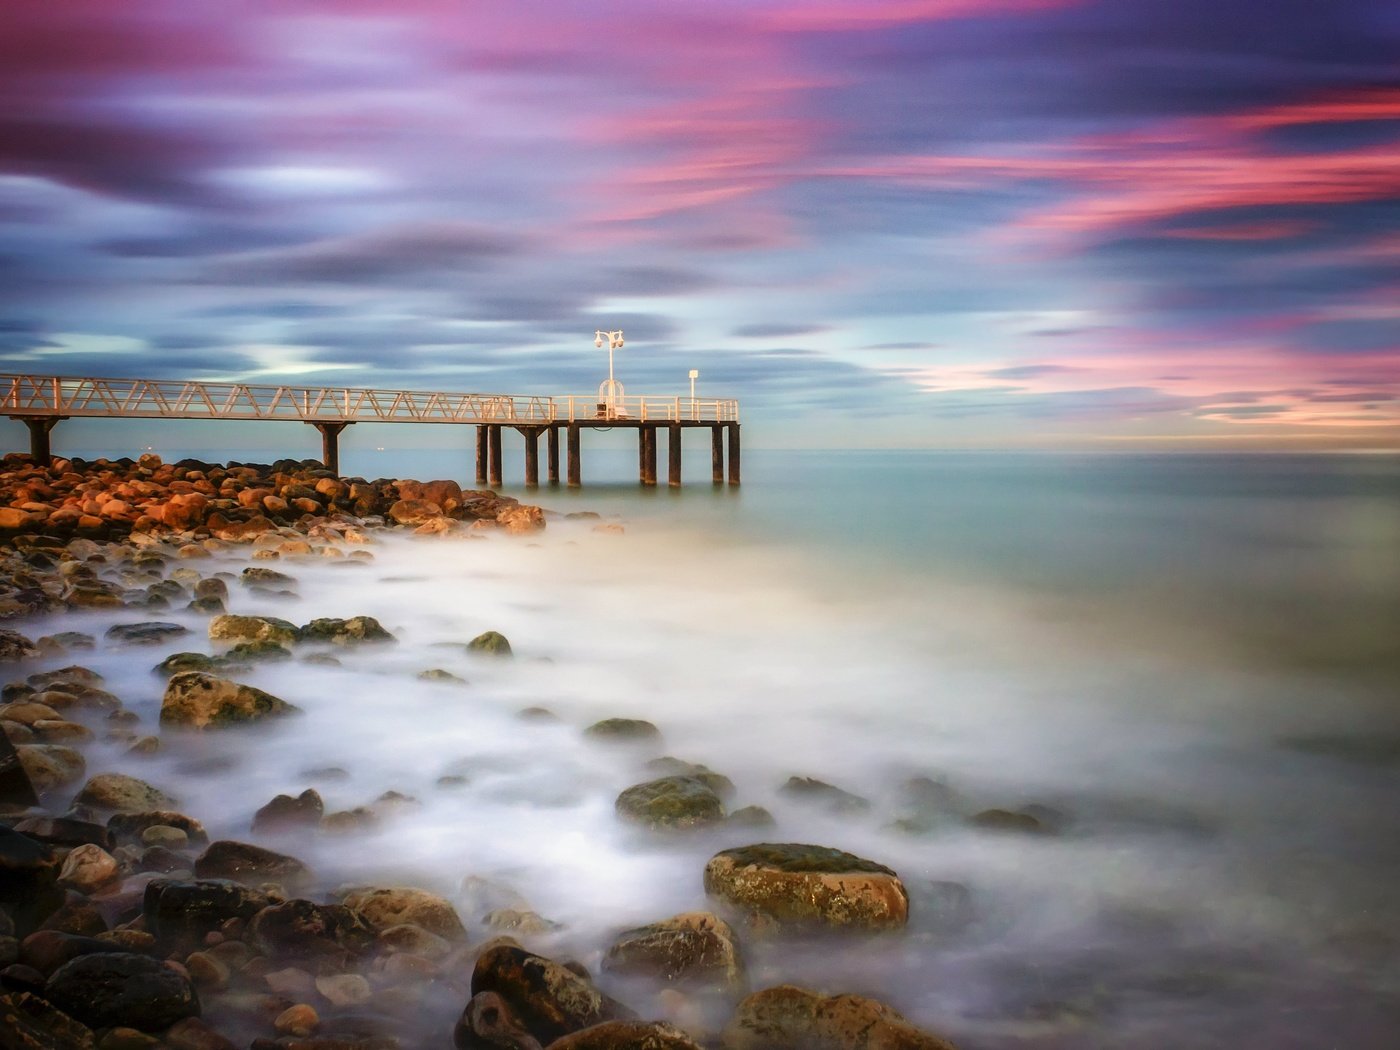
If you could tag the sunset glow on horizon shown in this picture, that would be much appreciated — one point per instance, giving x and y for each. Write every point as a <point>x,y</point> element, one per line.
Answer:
<point>960,223</point>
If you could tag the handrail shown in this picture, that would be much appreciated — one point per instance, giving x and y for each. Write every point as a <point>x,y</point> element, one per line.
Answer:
<point>24,394</point>
<point>646,408</point>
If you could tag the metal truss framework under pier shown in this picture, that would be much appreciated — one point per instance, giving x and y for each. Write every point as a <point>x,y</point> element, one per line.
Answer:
<point>42,401</point>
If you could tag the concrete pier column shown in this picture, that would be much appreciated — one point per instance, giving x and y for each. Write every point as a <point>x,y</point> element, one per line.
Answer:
<point>330,444</point>
<point>493,459</point>
<point>532,456</point>
<point>39,428</point>
<point>733,453</point>
<point>553,452</point>
<point>649,454</point>
<point>575,470</point>
<point>673,476</point>
<point>717,454</point>
<point>481,455</point>
<point>642,455</point>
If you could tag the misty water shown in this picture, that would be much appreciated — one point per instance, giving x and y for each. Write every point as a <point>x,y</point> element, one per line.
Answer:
<point>1190,663</point>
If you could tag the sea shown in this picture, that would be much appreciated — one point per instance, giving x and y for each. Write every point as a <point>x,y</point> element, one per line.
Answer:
<point>1185,668</point>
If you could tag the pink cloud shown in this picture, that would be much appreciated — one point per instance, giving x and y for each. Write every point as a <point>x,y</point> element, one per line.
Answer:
<point>878,13</point>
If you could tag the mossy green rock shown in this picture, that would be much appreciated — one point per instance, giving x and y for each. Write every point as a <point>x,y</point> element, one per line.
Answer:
<point>231,628</point>
<point>671,802</point>
<point>803,885</point>
<point>198,700</point>
<point>259,650</point>
<point>346,632</point>
<point>623,729</point>
<point>492,643</point>
<point>177,662</point>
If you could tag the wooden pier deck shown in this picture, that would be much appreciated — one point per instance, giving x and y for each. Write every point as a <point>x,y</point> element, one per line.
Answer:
<point>42,401</point>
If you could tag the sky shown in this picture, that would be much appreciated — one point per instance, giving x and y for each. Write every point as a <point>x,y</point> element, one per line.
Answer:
<point>903,223</point>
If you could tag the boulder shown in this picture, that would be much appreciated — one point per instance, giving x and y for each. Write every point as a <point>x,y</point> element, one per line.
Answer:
<point>490,643</point>
<point>231,628</point>
<point>257,576</point>
<point>28,1022</point>
<point>15,646</point>
<point>302,929</point>
<point>28,880</point>
<point>695,947</point>
<point>796,884</point>
<point>346,632</point>
<point>244,862</point>
<point>131,827</point>
<point>285,813</point>
<point>88,868</point>
<point>414,511</point>
<point>627,1035</point>
<point>49,766</point>
<point>393,906</point>
<point>177,662</point>
<point>828,796</point>
<point>199,700</point>
<point>670,803</point>
<point>549,1000</point>
<point>791,1018</point>
<point>520,518</point>
<point>118,988</point>
<point>488,1023</point>
<point>151,632</point>
<point>117,792</point>
<point>623,729</point>
<point>186,911</point>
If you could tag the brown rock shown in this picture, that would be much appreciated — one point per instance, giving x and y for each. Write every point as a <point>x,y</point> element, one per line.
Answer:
<point>199,700</point>
<point>549,999</point>
<point>393,906</point>
<point>791,883</point>
<point>790,1018</point>
<point>299,1019</point>
<point>88,868</point>
<point>414,511</point>
<point>122,794</point>
<point>627,1035</point>
<point>693,947</point>
<point>243,862</point>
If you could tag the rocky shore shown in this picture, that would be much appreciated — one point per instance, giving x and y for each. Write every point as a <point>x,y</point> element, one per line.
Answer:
<point>124,924</point>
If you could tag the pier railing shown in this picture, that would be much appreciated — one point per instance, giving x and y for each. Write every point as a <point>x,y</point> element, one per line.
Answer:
<point>38,395</point>
<point>647,408</point>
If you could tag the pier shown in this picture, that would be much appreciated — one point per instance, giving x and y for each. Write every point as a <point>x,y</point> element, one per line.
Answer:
<point>41,402</point>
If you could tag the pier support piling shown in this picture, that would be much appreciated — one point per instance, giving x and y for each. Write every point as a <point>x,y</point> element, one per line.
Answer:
<point>481,456</point>
<point>575,474</point>
<point>39,428</point>
<point>493,459</point>
<point>552,447</point>
<point>532,455</point>
<point>648,441</point>
<point>673,476</point>
<point>330,444</point>
<point>717,454</point>
<point>733,453</point>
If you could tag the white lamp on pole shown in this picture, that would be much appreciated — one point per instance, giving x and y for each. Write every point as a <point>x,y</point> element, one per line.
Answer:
<point>611,391</point>
<point>694,409</point>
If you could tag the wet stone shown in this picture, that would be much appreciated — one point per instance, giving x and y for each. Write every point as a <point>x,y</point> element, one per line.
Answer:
<point>111,989</point>
<point>670,803</point>
<point>244,862</point>
<point>804,885</point>
<point>623,729</point>
<point>285,812</point>
<point>148,633</point>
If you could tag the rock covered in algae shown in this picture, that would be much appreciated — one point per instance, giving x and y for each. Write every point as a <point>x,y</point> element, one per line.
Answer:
<point>797,884</point>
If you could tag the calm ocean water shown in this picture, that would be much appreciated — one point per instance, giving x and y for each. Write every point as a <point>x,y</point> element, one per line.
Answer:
<point>1191,664</point>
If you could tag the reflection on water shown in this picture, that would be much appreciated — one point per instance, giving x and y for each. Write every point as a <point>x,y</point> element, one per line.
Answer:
<point>1183,667</point>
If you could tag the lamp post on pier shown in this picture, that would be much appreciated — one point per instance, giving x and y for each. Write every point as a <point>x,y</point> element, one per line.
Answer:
<point>611,391</point>
<point>694,410</point>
